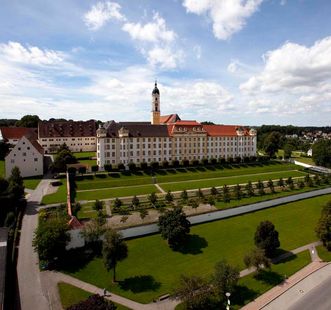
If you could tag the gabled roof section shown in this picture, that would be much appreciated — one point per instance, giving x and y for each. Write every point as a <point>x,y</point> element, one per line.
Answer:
<point>50,129</point>
<point>171,118</point>
<point>225,130</point>
<point>137,130</point>
<point>36,145</point>
<point>18,132</point>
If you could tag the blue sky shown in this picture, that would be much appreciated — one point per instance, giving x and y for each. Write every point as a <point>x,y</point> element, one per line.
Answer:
<point>246,62</point>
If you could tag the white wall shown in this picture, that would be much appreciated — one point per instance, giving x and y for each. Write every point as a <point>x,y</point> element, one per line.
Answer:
<point>26,158</point>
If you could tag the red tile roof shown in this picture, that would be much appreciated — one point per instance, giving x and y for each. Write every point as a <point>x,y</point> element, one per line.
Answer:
<point>49,129</point>
<point>36,145</point>
<point>187,123</point>
<point>223,130</point>
<point>171,118</point>
<point>18,132</point>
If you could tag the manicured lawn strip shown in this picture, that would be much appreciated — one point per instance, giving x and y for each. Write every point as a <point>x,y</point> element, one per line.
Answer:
<point>323,253</point>
<point>90,162</point>
<point>32,183</point>
<point>116,192</point>
<point>87,212</point>
<point>2,168</point>
<point>79,155</point>
<point>229,181</point>
<point>179,175</point>
<point>250,287</point>
<point>250,200</point>
<point>71,295</point>
<point>59,196</point>
<point>153,269</point>
<point>305,160</point>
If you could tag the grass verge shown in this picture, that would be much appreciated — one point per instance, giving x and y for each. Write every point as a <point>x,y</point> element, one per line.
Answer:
<point>323,253</point>
<point>153,269</point>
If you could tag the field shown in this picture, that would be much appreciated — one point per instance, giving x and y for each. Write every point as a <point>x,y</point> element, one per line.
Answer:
<point>84,158</point>
<point>71,295</point>
<point>32,182</point>
<point>177,175</point>
<point>323,253</point>
<point>57,197</point>
<point>152,268</point>
<point>251,287</point>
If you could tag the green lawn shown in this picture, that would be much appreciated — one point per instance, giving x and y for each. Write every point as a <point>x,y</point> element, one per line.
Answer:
<point>306,160</point>
<point>323,253</point>
<point>2,168</point>
<point>250,287</point>
<point>177,175</point>
<point>59,196</point>
<point>185,185</point>
<point>87,212</point>
<point>153,269</point>
<point>32,183</point>
<point>71,295</point>
<point>79,155</point>
<point>116,192</point>
<point>268,196</point>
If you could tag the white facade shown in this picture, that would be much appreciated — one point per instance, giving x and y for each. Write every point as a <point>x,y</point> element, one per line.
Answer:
<point>26,157</point>
<point>75,144</point>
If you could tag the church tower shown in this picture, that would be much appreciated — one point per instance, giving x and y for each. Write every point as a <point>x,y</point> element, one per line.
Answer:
<point>155,116</point>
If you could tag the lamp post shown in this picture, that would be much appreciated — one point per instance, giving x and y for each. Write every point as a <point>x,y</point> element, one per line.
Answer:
<point>227,294</point>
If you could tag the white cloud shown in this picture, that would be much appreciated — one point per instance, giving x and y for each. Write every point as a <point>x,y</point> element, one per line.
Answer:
<point>155,31</point>
<point>294,79</point>
<point>101,13</point>
<point>198,51</point>
<point>164,58</point>
<point>16,52</point>
<point>227,16</point>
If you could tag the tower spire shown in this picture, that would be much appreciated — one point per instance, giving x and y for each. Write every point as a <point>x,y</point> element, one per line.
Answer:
<point>155,117</point>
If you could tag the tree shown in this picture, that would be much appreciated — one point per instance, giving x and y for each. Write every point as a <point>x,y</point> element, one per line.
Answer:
<point>322,153</point>
<point>16,185</point>
<point>257,258</point>
<point>98,205</point>
<point>82,170</point>
<point>117,203</point>
<point>323,228</point>
<point>194,291</point>
<point>211,200</point>
<point>51,238</point>
<point>200,194</point>
<point>194,203</point>
<point>184,196</point>
<point>317,180</point>
<point>288,148</point>
<point>260,187</point>
<point>174,226</point>
<point>4,149</point>
<point>63,158</point>
<point>214,191</point>
<point>108,167</point>
<point>169,197</point>
<point>225,278</point>
<point>152,198</point>
<point>249,189</point>
<point>114,249</point>
<point>135,201</point>
<point>237,192</point>
<point>281,183</point>
<point>95,302</point>
<point>272,143</point>
<point>30,121</point>
<point>290,183</point>
<point>143,213</point>
<point>132,167</point>
<point>266,238</point>
<point>226,194</point>
<point>91,232</point>
<point>270,184</point>
<point>95,168</point>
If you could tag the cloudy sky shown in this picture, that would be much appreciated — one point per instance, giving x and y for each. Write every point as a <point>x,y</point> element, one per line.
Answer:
<point>246,62</point>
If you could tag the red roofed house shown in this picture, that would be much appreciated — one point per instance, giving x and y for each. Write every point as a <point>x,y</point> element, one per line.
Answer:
<point>168,138</point>
<point>79,136</point>
<point>28,156</point>
<point>12,135</point>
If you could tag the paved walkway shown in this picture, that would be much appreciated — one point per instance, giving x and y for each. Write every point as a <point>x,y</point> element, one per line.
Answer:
<point>270,296</point>
<point>56,277</point>
<point>160,188</point>
<point>29,284</point>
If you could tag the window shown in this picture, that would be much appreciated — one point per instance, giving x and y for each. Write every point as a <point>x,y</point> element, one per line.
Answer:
<point>24,154</point>
<point>35,159</point>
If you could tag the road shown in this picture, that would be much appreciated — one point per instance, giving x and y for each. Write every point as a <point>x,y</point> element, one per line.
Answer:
<point>313,292</point>
<point>221,214</point>
<point>29,284</point>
